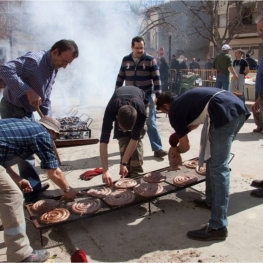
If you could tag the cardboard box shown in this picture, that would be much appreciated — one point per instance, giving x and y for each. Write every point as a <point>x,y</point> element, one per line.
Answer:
<point>249,91</point>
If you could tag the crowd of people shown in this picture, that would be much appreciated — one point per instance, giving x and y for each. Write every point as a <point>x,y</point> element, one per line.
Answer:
<point>27,83</point>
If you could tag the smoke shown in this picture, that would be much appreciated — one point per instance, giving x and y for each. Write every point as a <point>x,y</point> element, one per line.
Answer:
<point>102,30</point>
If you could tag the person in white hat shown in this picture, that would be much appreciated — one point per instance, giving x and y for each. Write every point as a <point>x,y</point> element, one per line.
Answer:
<point>223,66</point>
<point>19,139</point>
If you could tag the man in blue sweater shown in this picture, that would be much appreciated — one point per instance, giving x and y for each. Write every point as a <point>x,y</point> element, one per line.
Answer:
<point>223,114</point>
<point>140,69</point>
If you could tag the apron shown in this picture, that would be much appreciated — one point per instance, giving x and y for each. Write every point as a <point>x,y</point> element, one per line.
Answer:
<point>237,85</point>
<point>204,152</point>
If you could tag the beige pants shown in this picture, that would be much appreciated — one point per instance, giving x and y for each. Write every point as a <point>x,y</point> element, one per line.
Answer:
<point>12,216</point>
<point>136,160</point>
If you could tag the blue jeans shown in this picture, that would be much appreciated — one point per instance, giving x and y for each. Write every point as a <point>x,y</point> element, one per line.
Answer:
<point>27,168</point>
<point>222,81</point>
<point>217,170</point>
<point>152,129</point>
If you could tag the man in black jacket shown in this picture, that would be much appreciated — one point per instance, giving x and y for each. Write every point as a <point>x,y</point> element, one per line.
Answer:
<point>251,62</point>
<point>127,108</point>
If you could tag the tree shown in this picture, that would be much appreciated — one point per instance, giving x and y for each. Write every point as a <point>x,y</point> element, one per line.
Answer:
<point>237,13</point>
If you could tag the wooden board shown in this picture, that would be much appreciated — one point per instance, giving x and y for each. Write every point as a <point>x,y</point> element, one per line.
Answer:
<point>75,142</point>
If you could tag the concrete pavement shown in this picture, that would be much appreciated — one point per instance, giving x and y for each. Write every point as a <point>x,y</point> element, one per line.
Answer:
<point>132,235</point>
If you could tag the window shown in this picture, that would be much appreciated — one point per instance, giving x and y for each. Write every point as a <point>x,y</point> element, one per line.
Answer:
<point>222,21</point>
<point>246,13</point>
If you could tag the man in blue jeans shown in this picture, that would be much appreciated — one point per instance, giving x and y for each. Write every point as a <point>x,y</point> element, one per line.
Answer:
<point>140,70</point>
<point>29,80</point>
<point>224,114</point>
<point>223,65</point>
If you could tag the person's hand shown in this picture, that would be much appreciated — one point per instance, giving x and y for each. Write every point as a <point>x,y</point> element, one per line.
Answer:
<point>175,159</point>
<point>71,195</point>
<point>106,178</point>
<point>123,171</point>
<point>34,99</point>
<point>255,107</point>
<point>25,186</point>
<point>235,77</point>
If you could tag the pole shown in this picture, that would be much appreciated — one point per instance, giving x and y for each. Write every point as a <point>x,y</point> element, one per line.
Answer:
<point>170,45</point>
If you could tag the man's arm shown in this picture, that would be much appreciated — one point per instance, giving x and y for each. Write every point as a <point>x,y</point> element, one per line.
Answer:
<point>106,176</point>
<point>232,70</point>
<point>121,75</point>
<point>246,71</point>
<point>13,71</point>
<point>23,184</point>
<point>155,76</point>
<point>57,176</point>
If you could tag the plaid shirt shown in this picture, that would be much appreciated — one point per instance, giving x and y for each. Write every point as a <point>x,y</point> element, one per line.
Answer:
<point>21,138</point>
<point>33,70</point>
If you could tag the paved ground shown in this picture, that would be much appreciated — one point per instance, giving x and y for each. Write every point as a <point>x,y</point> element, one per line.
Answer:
<point>132,235</point>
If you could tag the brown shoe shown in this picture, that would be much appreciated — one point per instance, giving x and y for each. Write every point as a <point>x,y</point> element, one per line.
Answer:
<point>257,183</point>
<point>257,193</point>
<point>258,129</point>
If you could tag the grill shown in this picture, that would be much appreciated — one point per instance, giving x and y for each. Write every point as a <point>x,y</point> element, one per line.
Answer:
<point>75,130</point>
<point>168,188</point>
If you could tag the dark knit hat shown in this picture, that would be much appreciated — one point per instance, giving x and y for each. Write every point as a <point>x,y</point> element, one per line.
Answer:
<point>50,123</point>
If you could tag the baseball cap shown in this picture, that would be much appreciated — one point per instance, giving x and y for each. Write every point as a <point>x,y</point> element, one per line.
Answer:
<point>226,47</point>
<point>50,123</point>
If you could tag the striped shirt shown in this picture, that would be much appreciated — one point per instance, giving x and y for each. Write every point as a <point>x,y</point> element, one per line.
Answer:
<point>144,75</point>
<point>21,138</point>
<point>33,70</point>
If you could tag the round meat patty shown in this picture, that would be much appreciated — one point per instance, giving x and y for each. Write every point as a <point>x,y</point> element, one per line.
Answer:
<point>184,179</point>
<point>202,170</point>
<point>125,183</point>
<point>99,192</point>
<point>192,164</point>
<point>86,206</point>
<point>154,177</point>
<point>148,189</point>
<point>55,216</point>
<point>43,206</point>
<point>120,197</point>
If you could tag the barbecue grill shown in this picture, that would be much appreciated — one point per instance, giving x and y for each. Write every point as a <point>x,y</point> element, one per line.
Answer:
<point>75,130</point>
<point>168,188</point>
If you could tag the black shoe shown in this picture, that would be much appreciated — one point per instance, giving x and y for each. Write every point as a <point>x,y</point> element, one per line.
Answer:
<point>208,233</point>
<point>1,228</point>
<point>44,187</point>
<point>160,153</point>
<point>257,193</point>
<point>202,203</point>
<point>257,183</point>
<point>37,256</point>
